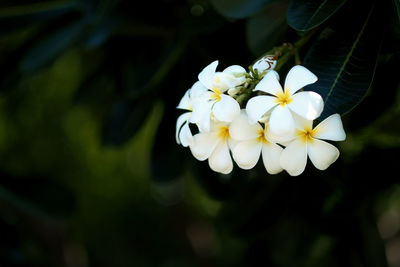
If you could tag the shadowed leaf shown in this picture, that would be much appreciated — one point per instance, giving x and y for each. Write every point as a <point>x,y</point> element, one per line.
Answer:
<point>239,8</point>
<point>306,15</point>
<point>125,120</point>
<point>397,7</point>
<point>344,59</point>
<point>16,16</point>
<point>47,49</point>
<point>36,8</point>
<point>265,28</point>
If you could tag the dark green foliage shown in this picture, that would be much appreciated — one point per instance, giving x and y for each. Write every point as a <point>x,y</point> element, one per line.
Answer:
<point>239,8</point>
<point>397,8</point>
<point>266,28</point>
<point>45,50</point>
<point>344,58</point>
<point>125,119</point>
<point>306,15</point>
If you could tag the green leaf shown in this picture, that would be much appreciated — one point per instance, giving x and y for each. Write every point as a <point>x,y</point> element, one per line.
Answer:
<point>125,119</point>
<point>344,59</point>
<point>397,7</point>
<point>20,204</point>
<point>306,15</point>
<point>100,33</point>
<point>167,156</point>
<point>265,28</point>
<point>129,113</point>
<point>35,8</point>
<point>239,9</point>
<point>22,15</point>
<point>44,50</point>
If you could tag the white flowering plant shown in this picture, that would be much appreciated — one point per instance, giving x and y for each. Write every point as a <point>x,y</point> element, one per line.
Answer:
<point>239,115</point>
<point>283,115</point>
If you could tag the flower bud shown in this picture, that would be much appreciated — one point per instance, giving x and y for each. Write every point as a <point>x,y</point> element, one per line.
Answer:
<point>268,62</point>
<point>234,91</point>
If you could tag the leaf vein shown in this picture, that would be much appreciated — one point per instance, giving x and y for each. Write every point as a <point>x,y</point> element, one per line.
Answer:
<point>315,13</point>
<point>342,68</point>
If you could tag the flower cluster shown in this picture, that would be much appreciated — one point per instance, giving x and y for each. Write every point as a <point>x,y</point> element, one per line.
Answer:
<point>276,122</point>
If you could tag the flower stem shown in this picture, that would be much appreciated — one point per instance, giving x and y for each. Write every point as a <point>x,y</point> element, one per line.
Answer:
<point>246,94</point>
<point>287,50</point>
<point>284,53</point>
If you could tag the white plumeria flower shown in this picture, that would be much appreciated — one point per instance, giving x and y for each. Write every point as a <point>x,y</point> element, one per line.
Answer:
<point>214,102</point>
<point>282,102</point>
<point>308,142</point>
<point>252,140</point>
<point>266,63</point>
<point>183,134</point>
<point>214,146</point>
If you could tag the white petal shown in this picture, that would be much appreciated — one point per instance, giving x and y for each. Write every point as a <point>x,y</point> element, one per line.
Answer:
<point>275,74</point>
<point>321,153</point>
<point>330,129</point>
<point>234,70</point>
<point>226,109</point>
<point>301,123</point>
<point>257,106</point>
<point>281,121</point>
<point>298,77</point>
<point>217,125</point>
<point>224,81</point>
<point>271,154</point>
<point>185,135</point>
<point>197,90</point>
<point>204,123</point>
<point>179,122</point>
<point>232,143</point>
<point>269,84</point>
<point>220,160</point>
<point>201,107</point>
<point>307,104</point>
<point>294,157</point>
<point>206,76</point>
<point>240,129</point>
<point>185,102</point>
<point>204,144</point>
<point>247,153</point>
<point>280,139</point>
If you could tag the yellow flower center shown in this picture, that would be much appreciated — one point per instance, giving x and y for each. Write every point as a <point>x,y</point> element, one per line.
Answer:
<point>261,137</point>
<point>216,95</point>
<point>223,132</point>
<point>283,98</point>
<point>307,135</point>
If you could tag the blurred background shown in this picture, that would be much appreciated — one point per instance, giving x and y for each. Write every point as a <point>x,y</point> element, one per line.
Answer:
<point>91,175</point>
